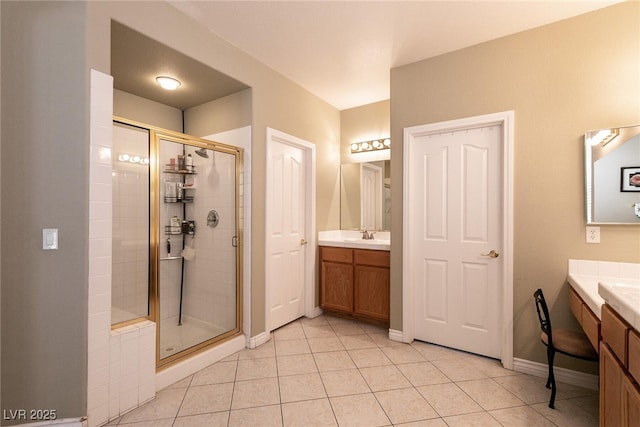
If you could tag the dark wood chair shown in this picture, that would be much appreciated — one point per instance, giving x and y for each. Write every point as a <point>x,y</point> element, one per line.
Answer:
<point>574,344</point>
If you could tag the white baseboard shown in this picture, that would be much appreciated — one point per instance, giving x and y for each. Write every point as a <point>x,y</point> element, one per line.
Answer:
<point>259,339</point>
<point>562,375</point>
<point>395,335</point>
<point>318,311</point>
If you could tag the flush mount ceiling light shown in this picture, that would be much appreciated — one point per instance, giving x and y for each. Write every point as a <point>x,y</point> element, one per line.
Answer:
<point>374,145</point>
<point>168,83</point>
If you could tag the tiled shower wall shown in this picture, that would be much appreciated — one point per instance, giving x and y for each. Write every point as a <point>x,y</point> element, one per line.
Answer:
<point>170,269</point>
<point>130,229</point>
<point>211,295</point>
<point>112,355</point>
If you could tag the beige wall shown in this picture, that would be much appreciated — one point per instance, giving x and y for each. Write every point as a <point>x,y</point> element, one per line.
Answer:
<point>143,110</point>
<point>44,185</point>
<point>363,123</point>
<point>231,112</point>
<point>561,80</point>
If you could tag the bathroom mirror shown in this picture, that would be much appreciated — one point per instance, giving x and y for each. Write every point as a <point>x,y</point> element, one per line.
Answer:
<point>365,196</point>
<point>612,175</point>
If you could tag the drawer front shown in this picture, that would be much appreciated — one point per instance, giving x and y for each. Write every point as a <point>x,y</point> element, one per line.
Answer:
<point>575,304</point>
<point>328,253</point>
<point>376,258</point>
<point>634,355</point>
<point>591,326</point>
<point>614,332</point>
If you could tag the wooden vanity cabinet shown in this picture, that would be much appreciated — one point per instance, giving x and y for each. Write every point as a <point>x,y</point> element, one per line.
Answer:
<point>619,391</point>
<point>336,279</point>
<point>587,319</point>
<point>355,282</point>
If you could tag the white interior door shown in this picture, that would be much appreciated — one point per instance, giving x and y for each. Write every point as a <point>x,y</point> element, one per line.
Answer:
<point>286,232</point>
<point>456,221</point>
<point>371,197</point>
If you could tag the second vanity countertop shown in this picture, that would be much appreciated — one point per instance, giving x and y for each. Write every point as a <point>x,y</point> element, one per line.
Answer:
<point>616,283</point>
<point>353,239</point>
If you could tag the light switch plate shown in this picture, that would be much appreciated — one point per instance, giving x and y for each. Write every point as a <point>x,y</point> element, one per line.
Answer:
<point>49,239</point>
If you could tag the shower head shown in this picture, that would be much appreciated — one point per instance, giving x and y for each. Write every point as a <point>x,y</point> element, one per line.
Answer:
<point>202,152</point>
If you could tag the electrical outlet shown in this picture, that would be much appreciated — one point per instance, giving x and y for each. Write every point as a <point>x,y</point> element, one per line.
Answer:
<point>593,234</point>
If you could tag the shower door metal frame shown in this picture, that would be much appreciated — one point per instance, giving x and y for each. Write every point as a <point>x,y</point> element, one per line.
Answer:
<point>155,135</point>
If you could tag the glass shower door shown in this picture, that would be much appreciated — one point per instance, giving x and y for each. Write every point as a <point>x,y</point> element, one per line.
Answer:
<point>197,245</point>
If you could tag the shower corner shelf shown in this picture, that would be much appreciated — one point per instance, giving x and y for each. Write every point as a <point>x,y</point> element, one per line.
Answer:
<point>170,169</point>
<point>176,200</point>
<point>173,230</point>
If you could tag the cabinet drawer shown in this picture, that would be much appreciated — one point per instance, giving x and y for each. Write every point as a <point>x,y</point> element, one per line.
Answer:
<point>615,332</point>
<point>328,253</point>
<point>591,326</point>
<point>575,304</point>
<point>634,355</point>
<point>377,258</point>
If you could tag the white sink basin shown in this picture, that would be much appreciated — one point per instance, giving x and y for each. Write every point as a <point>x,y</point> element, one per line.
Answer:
<point>353,239</point>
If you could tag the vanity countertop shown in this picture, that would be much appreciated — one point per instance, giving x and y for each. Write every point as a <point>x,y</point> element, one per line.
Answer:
<point>624,297</point>
<point>587,288</point>
<point>616,283</point>
<point>353,239</point>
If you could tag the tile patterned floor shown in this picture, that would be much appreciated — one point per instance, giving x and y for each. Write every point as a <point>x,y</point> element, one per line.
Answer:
<point>330,371</point>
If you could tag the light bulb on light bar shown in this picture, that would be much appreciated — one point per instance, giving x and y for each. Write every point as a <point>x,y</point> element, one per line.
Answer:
<point>168,83</point>
<point>133,158</point>
<point>373,145</point>
<point>604,137</point>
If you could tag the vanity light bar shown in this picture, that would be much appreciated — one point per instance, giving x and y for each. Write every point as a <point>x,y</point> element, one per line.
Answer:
<point>373,145</point>
<point>133,158</point>
<point>604,137</point>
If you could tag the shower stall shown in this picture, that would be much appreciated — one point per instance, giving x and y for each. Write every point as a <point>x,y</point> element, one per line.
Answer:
<point>176,237</point>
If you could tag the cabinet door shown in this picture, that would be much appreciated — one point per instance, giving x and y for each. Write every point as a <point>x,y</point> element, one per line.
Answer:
<point>575,304</point>
<point>336,286</point>
<point>630,403</point>
<point>372,291</point>
<point>611,375</point>
<point>615,332</point>
<point>591,326</point>
<point>634,355</point>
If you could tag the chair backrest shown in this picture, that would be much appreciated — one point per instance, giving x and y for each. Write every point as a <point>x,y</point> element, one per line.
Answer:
<point>543,314</point>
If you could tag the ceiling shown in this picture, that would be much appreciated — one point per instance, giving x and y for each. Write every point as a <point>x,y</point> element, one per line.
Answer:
<point>136,61</point>
<point>341,51</point>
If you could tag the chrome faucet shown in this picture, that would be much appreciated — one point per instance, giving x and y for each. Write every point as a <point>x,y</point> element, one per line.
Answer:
<point>367,235</point>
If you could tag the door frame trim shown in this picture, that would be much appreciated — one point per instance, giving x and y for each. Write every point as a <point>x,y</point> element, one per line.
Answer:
<point>506,120</point>
<point>276,136</point>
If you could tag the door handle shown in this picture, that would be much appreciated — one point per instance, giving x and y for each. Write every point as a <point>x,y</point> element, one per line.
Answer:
<point>492,254</point>
<point>303,242</point>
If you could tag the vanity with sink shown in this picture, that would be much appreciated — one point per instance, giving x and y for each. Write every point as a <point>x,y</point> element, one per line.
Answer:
<point>605,298</point>
<point>354,275</point>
